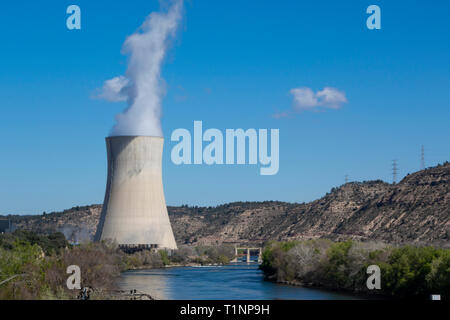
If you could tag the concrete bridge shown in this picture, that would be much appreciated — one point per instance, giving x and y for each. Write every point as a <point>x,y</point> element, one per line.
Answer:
<point>246,253</point>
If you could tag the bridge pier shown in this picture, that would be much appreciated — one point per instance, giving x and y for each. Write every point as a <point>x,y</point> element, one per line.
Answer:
<point>247,254</point>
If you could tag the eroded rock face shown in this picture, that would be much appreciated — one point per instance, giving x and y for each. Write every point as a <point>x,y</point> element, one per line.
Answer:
<point>415,210</point>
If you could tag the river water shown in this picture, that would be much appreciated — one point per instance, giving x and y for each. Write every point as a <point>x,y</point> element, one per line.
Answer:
<point>235,281</point>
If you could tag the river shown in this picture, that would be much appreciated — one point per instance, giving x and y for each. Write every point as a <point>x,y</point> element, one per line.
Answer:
<point>235,281</point>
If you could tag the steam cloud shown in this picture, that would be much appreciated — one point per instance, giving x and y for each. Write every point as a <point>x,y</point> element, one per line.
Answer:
<point>141,86</point>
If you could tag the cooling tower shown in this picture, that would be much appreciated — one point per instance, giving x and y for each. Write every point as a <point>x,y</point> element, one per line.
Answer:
<point>134,211</point>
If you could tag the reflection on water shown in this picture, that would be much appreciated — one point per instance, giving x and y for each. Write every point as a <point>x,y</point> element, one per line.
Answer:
<point>152,281</point>
<point>235,281</point>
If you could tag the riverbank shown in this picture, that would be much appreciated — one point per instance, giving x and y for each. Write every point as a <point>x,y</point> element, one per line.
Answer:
<point>41,261</point>
<point>355,293</point>
<point>175,265</point>
<point>34,266</point>
<point>406,272</point>
<point>184,256</point>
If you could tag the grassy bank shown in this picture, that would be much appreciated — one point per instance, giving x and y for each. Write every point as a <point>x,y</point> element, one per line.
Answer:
<point>406,271</point>
<point>38,264</point>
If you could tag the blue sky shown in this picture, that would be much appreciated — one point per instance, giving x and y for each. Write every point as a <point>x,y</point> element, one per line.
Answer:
<point>231,65</point>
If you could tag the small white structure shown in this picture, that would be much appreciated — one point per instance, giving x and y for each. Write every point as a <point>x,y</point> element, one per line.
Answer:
<point>134,210</point>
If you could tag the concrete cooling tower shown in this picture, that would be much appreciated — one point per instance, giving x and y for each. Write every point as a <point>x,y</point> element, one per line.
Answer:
<point>134,211</point>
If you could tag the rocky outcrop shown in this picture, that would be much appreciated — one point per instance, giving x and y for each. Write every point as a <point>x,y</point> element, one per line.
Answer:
<point>416,210</point>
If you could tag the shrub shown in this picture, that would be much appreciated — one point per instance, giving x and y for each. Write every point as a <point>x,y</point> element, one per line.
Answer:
<point>44,277</point>
<point>405,272</point>
<point>164,257</point>
<point>413,271</point>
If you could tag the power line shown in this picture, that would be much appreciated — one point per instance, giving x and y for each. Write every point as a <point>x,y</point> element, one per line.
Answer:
<point>394,171</point>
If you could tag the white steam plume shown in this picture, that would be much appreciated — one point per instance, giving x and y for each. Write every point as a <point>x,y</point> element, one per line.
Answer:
<point>141,86</point>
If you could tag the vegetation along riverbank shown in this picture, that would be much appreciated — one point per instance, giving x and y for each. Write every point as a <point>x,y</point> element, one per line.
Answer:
<point>33,266</point>
<point>406,271</point>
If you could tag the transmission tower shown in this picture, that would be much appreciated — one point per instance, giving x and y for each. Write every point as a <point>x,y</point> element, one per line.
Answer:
<point>394,171</point>
<point>422,158</point>
<point>346,178</point>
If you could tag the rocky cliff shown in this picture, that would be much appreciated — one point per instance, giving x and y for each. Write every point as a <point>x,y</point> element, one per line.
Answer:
<point>417,209</point>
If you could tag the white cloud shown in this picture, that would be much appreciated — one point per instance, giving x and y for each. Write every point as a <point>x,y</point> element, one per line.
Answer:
<point>331,97</point>
<point>305,98</point>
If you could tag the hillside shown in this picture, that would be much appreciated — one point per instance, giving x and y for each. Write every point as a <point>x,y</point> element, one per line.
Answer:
<point>417,209</point>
